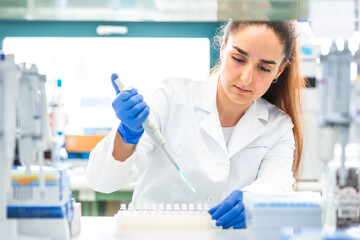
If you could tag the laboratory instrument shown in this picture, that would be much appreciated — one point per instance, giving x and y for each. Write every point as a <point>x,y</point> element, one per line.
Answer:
<point>29,116</point>
<point>316,233</point>
<point>164,216</point>
<point>152,130</point>
<point>9,80</point>
<point>38,191</point>
<point>35,200</point>
<point>268,214</point>
<point>33,134</point>
<point>50,210</point>
<point>340,183</point>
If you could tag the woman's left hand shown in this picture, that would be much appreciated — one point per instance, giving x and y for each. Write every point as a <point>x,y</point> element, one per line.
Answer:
<point>230,212</point>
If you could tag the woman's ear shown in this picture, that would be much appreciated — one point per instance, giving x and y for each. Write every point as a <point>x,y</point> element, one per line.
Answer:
<point>282,68</point>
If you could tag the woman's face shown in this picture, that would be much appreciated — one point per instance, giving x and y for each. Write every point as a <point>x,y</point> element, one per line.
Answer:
<point>251,60</point>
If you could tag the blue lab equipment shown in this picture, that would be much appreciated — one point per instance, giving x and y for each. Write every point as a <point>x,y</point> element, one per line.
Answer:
<point>230,212</point>
<point>268,214</point>
<point>132,111</point>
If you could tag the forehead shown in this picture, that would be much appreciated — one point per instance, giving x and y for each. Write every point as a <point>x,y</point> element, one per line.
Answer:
<point>258,41</point>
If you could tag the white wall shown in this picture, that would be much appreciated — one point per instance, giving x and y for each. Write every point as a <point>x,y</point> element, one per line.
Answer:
<point>86,64</point>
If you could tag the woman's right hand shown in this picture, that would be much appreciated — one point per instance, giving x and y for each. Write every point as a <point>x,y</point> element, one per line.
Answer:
<point>131,110</point>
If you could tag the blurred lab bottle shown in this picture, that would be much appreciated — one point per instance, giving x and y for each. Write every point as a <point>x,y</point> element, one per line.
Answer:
<point>58,123</point>
<point>343,197</point>
<point>347,196</point>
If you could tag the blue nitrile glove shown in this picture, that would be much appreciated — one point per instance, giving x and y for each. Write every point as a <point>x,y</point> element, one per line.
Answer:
<point>230,212</point>
<point>132,111</point>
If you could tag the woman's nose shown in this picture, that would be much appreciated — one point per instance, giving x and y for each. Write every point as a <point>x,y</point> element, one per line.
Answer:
<point>246,76</point>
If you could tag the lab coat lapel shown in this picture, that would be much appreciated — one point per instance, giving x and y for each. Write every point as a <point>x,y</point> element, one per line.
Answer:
<point>207,111</point>
<point>211,125</point>
<point>250,126</point>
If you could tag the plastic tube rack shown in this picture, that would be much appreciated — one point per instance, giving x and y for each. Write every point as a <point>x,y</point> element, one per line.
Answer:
<point>160,216</point>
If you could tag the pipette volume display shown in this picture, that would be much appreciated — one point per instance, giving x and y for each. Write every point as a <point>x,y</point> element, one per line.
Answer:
<point>155,134</point>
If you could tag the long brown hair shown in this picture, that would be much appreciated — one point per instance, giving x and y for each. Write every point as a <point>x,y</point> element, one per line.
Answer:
<point>286,94</point>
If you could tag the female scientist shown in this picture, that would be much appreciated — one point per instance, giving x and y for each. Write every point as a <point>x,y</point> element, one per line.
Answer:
<point>232,132</point>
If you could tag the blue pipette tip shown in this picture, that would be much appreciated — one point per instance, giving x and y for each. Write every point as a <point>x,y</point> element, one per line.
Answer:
<point>185,178</point>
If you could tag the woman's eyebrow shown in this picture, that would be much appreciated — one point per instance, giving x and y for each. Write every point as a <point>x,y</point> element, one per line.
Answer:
<point>246,54</point>
<point>268,61</point>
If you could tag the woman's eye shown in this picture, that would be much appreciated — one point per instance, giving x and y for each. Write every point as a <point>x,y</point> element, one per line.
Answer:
<point>238,59</point>
<point>242,61</point>
<point>264,69</point>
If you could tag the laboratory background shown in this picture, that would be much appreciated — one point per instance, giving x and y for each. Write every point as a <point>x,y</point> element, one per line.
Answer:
<point>56,60</point>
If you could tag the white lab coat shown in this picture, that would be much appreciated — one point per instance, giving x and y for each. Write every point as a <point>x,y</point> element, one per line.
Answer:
<point>258,158</point>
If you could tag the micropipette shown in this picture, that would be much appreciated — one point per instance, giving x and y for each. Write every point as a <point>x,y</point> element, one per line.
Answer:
<point>151,129</point>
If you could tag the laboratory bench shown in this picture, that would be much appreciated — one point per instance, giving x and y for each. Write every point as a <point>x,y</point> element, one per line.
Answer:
<point>105,228</point>
<point>94,203</point>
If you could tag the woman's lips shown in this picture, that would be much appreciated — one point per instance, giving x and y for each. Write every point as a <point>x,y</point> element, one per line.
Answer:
<point>241,90</point>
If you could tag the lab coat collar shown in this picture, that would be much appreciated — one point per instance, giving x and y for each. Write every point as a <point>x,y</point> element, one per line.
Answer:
<point>206,103</point>
<point>250,126</point>
<point>207,93</point>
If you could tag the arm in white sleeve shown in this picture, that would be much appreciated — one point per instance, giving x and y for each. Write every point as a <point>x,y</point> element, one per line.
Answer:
<point>105,173</point>
<point>275,172</point>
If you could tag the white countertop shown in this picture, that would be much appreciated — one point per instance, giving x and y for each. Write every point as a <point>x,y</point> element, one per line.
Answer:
<point>105,228</point>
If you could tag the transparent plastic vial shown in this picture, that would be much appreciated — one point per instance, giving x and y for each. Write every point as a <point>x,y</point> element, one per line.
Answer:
<point>343,199</point>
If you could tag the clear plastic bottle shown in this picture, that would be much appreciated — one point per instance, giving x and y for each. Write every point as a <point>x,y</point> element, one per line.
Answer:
<point>59,146</point>
<point>342,209</point>
<point>58,113</point>
<point>59,123</point>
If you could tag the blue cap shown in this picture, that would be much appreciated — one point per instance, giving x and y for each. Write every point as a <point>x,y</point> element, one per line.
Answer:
<point>59,82</point>
<point>26,212</point>
<point>2,55</point>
